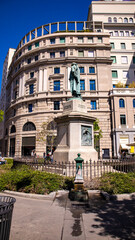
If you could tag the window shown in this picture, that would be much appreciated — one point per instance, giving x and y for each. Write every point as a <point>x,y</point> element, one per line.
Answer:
<point>80,54</point>
<point>91,70</point>
<point>52,41</point>
<point>20,53</point>
<point>31,74</point>
<point>132,34</point>
<point>134,103</point>
<point>56,105</point>
<point>123,46</point>
<point>57,85</point>
<point>82,84</point>
<point>134,124</point>
<point>131,20</point>
<point>113,58</point>
<point>29,47</point>
<point>133,59</point>
<point>111,34</point>
<point>29,60</point>
<point>62,54</point>
<point>123,119</point>
<point>81,69</point>
<point>93,105</point>
<point>92,85</point>
<point>109,19</point>
<point>90,40</point>
<point>125,20</point>
<point>62,40</point>
<point>114,74</point>
<point>80,39</point>
<point>125,74</point>
<point>124,59</point>
<point>29,126</point>
<point>30,108</point>
<point>100,40</point>
<point>121,103</point>
<point>115,19</point>
<point>127,33</point>
<point>14,112</point>
<point>121,33</point>
<point>116,33</point>
<point>133,45</point>
<point>15,94</point>
<point>37,44</point>
<point>31,88</point>
<point>56,70</point>
<point>52,55</point>
<point>90,53</point>
<point>112,45</point>
<point>36,58</point>
<point>13,129</point>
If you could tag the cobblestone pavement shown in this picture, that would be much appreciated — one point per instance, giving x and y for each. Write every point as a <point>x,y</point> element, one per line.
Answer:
<point>62,219</point>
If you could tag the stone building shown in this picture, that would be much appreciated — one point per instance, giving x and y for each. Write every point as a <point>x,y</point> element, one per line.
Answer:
<point>38,82</point>
<point>6,65</point>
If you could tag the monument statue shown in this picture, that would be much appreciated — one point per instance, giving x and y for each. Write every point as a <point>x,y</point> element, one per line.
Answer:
<point>75,80</point>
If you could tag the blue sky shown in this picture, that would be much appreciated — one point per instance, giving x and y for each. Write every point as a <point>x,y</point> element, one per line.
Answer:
<point>19,17</point>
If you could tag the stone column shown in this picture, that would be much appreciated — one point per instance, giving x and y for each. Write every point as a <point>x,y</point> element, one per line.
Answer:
<point>45,80</point>
<point>40,82</point>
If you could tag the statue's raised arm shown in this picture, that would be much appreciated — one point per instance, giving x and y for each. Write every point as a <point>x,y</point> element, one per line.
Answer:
<point>75,80</point>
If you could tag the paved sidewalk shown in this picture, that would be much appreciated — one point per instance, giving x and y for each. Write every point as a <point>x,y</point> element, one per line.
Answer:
<point>61,219</point>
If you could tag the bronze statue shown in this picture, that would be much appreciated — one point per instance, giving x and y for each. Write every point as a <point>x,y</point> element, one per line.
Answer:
<point>75,80</point>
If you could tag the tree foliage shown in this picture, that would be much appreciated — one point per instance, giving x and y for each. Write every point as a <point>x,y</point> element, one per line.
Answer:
<point>47,134</point>
<point>97,131</point>
<point>1,115</point>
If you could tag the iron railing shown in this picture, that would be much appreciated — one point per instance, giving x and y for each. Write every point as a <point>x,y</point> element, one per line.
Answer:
<point>90,170</point>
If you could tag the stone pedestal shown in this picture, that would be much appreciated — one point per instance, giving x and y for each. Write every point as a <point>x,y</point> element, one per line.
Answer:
<point>75,133</point>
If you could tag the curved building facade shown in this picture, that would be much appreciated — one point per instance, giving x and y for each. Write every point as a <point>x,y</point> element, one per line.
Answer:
<point>38,82</point>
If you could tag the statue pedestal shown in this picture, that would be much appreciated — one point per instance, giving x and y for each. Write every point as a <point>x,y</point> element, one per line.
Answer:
<point>75,133</point>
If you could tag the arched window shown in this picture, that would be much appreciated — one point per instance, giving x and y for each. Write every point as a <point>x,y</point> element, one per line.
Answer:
<point>125,20</point>
<point>134,103</point>
<point>131,20</point>
<point>121,103</point>
<point>120,20</point>
<point>115,19</point>
<point>109,19</point>
<point>13,129</point>
<point>29,126</point>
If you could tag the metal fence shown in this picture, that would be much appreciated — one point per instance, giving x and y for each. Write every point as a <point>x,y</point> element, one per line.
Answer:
<point>90,170</point>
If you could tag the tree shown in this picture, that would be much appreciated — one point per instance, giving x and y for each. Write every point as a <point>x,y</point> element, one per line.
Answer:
<point>97,134</point>
<point>1,115</point>
<point>47,134</point>
<point>132,85</point>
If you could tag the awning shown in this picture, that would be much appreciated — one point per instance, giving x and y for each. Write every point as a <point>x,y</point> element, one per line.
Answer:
<point>131,144</point>
<point>124,146</point>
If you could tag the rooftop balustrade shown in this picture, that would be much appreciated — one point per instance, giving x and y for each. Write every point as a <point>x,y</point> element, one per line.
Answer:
<point>59,27</point>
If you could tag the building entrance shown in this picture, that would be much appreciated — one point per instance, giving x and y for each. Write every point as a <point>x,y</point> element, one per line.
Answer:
<point>28,145</point>
<point>12,147</point>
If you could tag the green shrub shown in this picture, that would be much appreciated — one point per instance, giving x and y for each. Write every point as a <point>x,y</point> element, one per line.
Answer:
<point>115,183</point>
<point>24,179</point>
